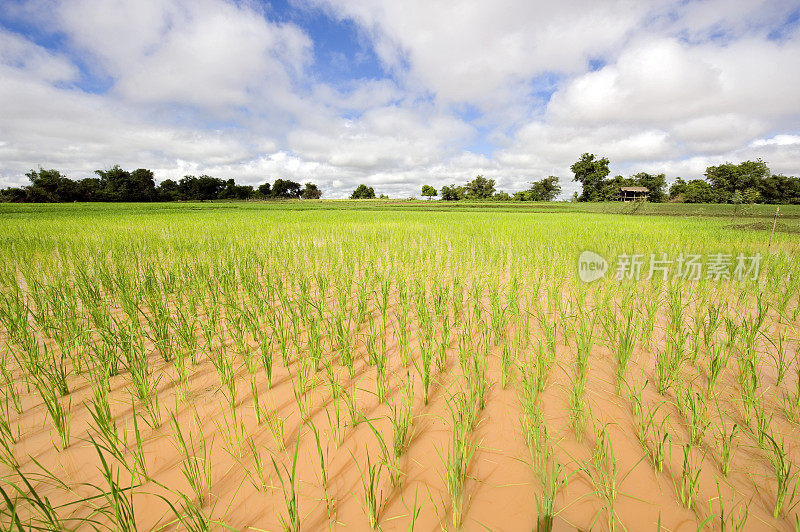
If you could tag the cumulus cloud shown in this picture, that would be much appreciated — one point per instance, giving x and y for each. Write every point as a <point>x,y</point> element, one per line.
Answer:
<point>514,90</point>
<point>384,138</point>
<point>204,52</point>
<point>34,61</point>
<point>479,51</point>
<point>670,106</point>
<point>777,140</point>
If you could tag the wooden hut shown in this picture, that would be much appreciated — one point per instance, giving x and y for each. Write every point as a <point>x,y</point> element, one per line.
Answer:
<point>633,193</point>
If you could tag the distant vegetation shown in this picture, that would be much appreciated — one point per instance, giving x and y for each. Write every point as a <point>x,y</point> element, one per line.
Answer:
<point>745,183</point>
<point>592,174</point>
<point>116,184</point>
<point>482,188</point>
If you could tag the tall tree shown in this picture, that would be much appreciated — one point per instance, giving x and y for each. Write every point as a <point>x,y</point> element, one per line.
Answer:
<point>728,178</point>
<point>452,193</point>
<point>779,188</point>
<point>699,191</point>
<point>168,190</point>
<point>479,188</point>
<point>590,172</point>
<point>311,191</point>
<point>90,189</point>
<point>13,195</point>
<point>122,185</point>
<point>677,189</point>
<point>428,191</point>
<point>50,186</point>
<point>543,190</point>
<point>234,191</point>
<point>655,183</point>
<point>200,188</point>
<point>143,181</point>
<point>285,189</point>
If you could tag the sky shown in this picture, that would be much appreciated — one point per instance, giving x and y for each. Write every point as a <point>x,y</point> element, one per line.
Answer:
<point>397,94</point>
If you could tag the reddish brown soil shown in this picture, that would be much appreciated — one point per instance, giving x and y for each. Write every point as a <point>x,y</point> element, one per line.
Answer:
<point>502,490</point>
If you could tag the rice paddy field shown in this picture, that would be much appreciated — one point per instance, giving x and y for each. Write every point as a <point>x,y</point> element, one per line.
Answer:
<point>368,365</point>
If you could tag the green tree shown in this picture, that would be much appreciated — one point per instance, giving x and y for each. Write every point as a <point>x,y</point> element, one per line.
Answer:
<point>543,190</point>
<point>429,191</point>
<point>121,185</point>
<point>118,184</point>
<point>91,189</point>
<point>143,185</point>
<point>778,188</point>
<point>610,189</point>
<point>452,193</point>
<point>13,195</point>
<point>234,191</point>
<point>699,191</point>
<point>479,188</point>
<point>311,191</point>
<point>49,186</point>
<point>168,190</point>
<point>363,192</point>
<point>590,172</point>
<point>678,189</point>
<point>285,189</point>
<point>546,189</point>
<point>728,178</point>
<point>501,196</point>
<point>750,196</point>
<point>265,189</point>
<point>655,184</point>
<point>200,188</point>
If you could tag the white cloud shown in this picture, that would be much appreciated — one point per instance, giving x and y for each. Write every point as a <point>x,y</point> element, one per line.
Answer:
<point>661,81</point>
<point>205,52</point>
<point>45,125</point>
<point>383,139</point>
<point>777,140</point>
<point>725,20</point>
<point>33,60</point>
<point>650,82</point>
<point>483,51</point>
<point>366,94</point>
<point>219,87</point>
<point>717,133</point>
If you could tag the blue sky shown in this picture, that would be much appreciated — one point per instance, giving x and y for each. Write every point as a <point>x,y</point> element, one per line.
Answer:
<point>342,54</point>
<point>396,95</point>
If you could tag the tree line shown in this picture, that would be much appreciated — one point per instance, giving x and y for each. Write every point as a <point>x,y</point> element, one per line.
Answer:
<point>746,182</point>
<point>481,188</point>
<point>117,184</point>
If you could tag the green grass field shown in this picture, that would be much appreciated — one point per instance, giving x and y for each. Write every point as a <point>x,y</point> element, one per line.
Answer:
<point>397,364</point>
